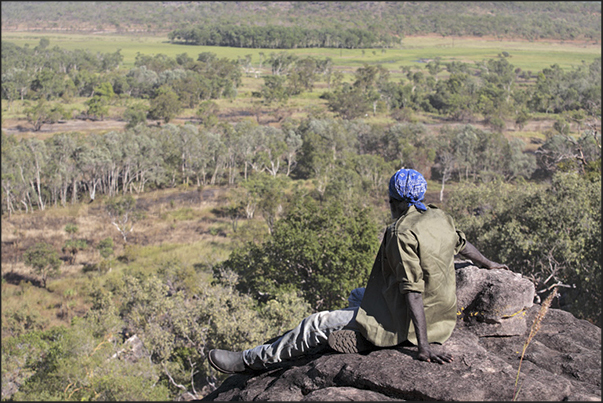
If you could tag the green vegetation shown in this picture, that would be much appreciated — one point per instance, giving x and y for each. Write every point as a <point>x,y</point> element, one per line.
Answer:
<point>277,37</point>
<point>258,194</point>
<point>527,20</point>
<point>304,253</point>
<point>44,261</point>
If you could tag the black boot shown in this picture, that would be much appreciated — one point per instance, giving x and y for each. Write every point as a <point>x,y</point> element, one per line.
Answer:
<point>228,362</point>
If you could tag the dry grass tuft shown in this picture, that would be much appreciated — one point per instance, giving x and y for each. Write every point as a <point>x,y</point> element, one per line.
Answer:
<point>544,308</point>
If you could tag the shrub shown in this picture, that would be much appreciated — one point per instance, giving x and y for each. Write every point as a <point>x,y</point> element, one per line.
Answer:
<point>43,259</point>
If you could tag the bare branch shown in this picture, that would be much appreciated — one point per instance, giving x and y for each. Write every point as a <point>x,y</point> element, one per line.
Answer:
<point>172,379</point>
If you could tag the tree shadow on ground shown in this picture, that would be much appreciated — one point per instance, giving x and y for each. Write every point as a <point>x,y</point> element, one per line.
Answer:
<point>17,278</point>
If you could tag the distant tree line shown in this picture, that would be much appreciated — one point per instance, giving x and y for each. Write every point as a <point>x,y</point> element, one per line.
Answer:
<point>504,19</point>
<point>280,37</point>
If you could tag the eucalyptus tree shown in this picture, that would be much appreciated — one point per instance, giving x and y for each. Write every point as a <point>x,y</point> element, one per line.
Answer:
<point>42,112</point>
<point>62,170</point>
<point>148,164</point>
<point>9,172</point>
<point>141,81</point>
<point>302,76</point>
<point>191,88</point>
<point>48,84</point>
<point>17,172</point>
<point>465,145</point>
<point>168,142</point>
<point>324,143</point>
<point>274,149</point>
<point>165,105</point>
<point>85,81</point>
<point>44,260</point>
<point>113,167</point>
<point>406,144</point>
<point>187,139</point>
<point>170,77</point>
<point>250,142</point>
<point>98,105</point>
<point>373,171</point>
<point>130,154</point>
<point>231,140</point>
<point>274,90</point>
<point>293,142</point>
<point>217,151</point>
<point>122,214</point>
<point>36,157</point>
<point>93,161</point>
<point>281,62</point>
<point>15,83</point>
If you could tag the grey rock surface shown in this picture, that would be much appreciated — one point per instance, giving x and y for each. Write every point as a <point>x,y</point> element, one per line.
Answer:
<point>562,362</point>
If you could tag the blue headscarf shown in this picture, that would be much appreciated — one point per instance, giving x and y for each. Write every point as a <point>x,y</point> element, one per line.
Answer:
<point>410,186</point>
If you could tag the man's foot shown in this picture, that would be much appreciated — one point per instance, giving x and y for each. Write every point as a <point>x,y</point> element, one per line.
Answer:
<point>228,362</point>
<point>349,341</point>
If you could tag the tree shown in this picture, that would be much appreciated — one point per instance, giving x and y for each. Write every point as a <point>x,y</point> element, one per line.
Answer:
<point>43,112</point>
<point>135,114</point>
<point>281,62</point>
<point>324,252</point>
<point>98,105</point>
<point>274,90</point>
<point>550,233</point>
<point>165,105</point>
<point>72,247</point>
<point>105,247</point>
<point>348,103</point>
<point>44,260</point>
<point>302,76</point>
<point>207,113</point>
<point>122,214</point>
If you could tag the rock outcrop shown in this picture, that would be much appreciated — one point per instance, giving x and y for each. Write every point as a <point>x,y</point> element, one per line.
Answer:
<point>562,362</point>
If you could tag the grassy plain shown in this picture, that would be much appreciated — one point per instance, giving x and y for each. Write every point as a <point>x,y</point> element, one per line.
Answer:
<point>526,55</point>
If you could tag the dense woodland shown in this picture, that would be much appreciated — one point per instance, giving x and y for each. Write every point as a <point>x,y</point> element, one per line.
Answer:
<point>304,205</point>
<point>528,20</point>
<point>276,37</point>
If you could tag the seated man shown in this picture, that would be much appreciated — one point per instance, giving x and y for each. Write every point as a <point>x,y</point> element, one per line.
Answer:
<point>410,295</point>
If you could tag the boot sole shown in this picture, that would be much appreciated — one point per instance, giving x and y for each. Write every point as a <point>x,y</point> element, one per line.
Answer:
<point>349,342</point>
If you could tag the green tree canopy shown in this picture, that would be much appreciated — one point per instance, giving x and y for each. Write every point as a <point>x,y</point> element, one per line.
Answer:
<point>43,259</point>
<point>540,230</point>
<point>323,251</point>
<point>165,105</point>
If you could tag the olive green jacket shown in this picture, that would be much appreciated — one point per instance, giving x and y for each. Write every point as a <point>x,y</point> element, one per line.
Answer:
<point>416,254</point>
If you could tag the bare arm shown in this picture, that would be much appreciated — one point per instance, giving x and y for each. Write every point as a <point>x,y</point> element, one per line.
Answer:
<point>417,314</point>
<point>471,252</point>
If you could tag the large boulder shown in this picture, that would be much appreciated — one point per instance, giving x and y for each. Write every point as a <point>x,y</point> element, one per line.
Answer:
<point>493,301</point>
<point>562,362</point>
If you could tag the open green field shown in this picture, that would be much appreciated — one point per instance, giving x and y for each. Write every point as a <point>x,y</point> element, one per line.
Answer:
<point>526,55</point>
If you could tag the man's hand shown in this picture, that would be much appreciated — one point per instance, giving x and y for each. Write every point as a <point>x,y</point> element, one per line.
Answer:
<point>417,315</point>
<point>494,265</point>
<point>425,354</point>
<point>476,257</point>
